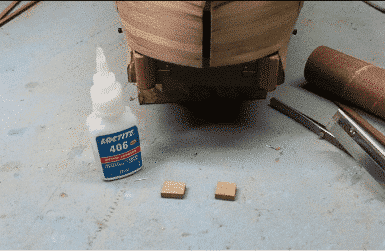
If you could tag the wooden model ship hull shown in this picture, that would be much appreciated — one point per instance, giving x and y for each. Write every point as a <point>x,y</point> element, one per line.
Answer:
<point>176,33</point>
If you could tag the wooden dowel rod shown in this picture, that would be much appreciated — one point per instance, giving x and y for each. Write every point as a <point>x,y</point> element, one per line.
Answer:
<point>9,8</point>
<point>16,13</point>
<point>362,122</point>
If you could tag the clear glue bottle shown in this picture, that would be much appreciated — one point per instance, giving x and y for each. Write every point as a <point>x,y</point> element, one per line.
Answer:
<point>112,126</point>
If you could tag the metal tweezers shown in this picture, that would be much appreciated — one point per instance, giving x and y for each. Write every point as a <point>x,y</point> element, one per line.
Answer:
<point>345,133</point>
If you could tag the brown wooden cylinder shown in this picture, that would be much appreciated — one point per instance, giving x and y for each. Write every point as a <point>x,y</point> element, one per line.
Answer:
<point>145,71</point>
<point>349,78</point>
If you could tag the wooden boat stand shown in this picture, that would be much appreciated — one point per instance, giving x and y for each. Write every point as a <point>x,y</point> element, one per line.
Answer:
<point>161,82</point>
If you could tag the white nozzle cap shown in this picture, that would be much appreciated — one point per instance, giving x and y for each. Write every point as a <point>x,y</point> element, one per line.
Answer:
<point>103,74</point>
<point>106,93</point>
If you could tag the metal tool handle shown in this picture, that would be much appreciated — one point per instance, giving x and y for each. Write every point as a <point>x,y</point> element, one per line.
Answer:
<point>344,133</point>
<point>359,144</point>
<point>307,122</point>
<point>363,123</point>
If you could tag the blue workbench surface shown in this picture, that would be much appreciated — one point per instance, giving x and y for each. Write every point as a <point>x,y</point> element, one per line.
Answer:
<point>306,195</point>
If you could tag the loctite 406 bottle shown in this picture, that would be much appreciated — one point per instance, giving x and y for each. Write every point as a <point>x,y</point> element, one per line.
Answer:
<point>112,126</point>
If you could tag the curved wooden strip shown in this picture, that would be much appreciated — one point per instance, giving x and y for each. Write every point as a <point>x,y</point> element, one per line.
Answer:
<point>249,30</point>
<point>246,51</point>
<point>155,26</point>
<point>167,31</point>
<point>226,34</point>
<point>178,7</point>
<point>216,4</point>
<point>241,31</point>
<point>165,53</point>
<point>135,32</point>
<point>245,57</point>
<point>196,3</point>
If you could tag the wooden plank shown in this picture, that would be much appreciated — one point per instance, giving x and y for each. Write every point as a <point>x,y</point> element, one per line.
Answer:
<point>167,31</point>
<point>176,7</point>
<point>247,30</point>
<point>154,22</point>
<point>241,31</point>
<point>164,53</point>
<point>241,55</point>
<point>216,4</point>
<point>196,3</point>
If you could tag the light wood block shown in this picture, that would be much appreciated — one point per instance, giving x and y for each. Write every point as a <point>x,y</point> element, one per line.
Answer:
<point>226,191</point>
<point>173,189</point>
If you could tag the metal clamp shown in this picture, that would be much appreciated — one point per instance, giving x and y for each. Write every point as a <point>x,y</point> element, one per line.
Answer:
<point>344,133</point>
<point>369,153</point>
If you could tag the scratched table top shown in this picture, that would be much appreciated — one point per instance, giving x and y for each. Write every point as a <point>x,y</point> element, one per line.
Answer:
<point>294,190</point>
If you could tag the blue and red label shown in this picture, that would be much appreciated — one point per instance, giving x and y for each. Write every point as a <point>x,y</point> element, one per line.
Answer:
<point>119,152</point>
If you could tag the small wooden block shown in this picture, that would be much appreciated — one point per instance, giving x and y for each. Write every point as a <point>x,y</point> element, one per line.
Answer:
<point>173,189</point>
<point>226,191</point>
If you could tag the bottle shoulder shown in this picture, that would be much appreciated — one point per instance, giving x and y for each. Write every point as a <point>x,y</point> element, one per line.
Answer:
<point>102,126</point>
